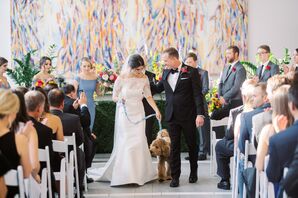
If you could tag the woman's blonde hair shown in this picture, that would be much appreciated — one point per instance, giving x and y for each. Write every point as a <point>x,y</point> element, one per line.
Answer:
<point>86,59</point>
<point>279,103</point>
<point>9,103</point>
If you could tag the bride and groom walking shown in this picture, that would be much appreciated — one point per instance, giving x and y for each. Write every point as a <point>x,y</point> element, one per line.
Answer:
<point>130,161</point>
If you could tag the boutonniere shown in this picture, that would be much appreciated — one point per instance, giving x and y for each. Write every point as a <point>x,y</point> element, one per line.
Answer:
<point>233,69</point>
<point>184,70</point>
<point>268,67</point>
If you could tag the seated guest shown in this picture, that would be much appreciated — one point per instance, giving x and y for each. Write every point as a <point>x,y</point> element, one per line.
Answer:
<point>13,146</point>
<point>203,132</point>
<point>282,145</point>
<point>78,106</point>
<point>3,80</point>
<point>267,69</point>
<point>50,120</point>
<point>22,124</point>
<point>282,119</point>
<point>231,80</point>
<point>45,64</point>
<point>71,124</point>
<point>4,168</point>
<point>225,148</point>
<point>264,118</point>
<point>260,102</point>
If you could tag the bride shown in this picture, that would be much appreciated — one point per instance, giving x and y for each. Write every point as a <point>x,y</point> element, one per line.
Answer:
<point>130,161</point>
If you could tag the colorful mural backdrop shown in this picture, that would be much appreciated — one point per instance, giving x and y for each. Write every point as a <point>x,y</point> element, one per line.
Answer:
<point>109,30</point>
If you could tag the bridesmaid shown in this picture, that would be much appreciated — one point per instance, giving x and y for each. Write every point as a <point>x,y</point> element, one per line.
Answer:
<point>86,81</point>
<point>3,67</point>
<point>45,64</point>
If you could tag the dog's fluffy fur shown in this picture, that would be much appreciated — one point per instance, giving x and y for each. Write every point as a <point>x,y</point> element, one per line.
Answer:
<point>161,147</point>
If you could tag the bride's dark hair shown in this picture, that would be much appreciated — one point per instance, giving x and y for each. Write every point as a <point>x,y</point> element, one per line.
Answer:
<point>135,61</point>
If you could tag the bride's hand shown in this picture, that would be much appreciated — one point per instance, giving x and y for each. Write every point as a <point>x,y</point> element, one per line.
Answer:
<point>158,115</point>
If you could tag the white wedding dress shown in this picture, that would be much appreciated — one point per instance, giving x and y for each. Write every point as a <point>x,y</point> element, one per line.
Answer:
<point>130,161</point>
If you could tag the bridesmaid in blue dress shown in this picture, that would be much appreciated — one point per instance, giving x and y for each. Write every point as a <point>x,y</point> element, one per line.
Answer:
<point>86,82</point>
<point>3,67</point>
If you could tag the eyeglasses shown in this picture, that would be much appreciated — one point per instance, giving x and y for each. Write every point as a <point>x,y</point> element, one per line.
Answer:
<point>261,53</point>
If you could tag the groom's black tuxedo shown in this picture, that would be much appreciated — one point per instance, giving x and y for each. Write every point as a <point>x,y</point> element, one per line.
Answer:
<point>183,104</point>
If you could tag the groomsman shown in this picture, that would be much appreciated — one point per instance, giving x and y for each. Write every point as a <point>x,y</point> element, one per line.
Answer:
<point>232,77</point>
<point>184,110</point>
<point>267,69</point>
<point>148,109</point>
<point>203,132</point>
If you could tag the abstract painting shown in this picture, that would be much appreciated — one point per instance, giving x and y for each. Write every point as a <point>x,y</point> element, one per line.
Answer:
<point>109,30</point>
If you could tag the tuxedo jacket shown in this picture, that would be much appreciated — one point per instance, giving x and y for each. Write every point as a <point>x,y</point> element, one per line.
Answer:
<point>148,109</point>
<point>268,73</point>
<point>231,81</point>
<point>83,112</point>
<point>186,101</point>
<point>71,124</point>
<point>281,151</point>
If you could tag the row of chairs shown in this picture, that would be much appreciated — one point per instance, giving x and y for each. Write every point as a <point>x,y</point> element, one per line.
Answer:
<point>69,165</point>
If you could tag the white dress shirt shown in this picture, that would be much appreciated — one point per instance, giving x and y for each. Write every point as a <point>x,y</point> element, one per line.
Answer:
<point>173,78</point>
<point>264,67</point>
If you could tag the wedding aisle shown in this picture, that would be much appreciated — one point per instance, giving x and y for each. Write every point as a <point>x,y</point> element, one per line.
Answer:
<point>205,187</point>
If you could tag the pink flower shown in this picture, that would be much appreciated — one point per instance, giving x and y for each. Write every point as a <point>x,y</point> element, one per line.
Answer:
<point>233,69</point>
<point>268,67</point>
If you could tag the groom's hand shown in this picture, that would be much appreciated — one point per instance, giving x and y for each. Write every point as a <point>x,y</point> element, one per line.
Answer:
<point>199,121</point>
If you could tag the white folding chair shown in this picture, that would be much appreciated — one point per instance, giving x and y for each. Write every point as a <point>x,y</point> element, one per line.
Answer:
<point>70,176</point>
<point>71,140</point>
<point>44,156</point>
<point>60,176</point>
<point>213,141</point>
<point>235,180</point>
<point>249,150</point>
<point>285,174</point>
<point>85,176</point>
<point>61,147</point>
<point>16,178</point>
<point>44,183</point>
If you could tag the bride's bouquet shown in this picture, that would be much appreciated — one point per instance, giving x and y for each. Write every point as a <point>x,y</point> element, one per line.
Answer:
<point>106,77</point>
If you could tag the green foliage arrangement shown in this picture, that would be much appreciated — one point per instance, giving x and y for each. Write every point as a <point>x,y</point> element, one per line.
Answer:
<point>23,73</point>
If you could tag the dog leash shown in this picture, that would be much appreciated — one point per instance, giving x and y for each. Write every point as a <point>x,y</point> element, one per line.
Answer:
<point>143,119</point>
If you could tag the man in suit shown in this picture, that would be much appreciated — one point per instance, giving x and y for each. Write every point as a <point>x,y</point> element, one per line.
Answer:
<point>267,69</point>
<point>184,110</point>
<point>71,124</point>
<point>260,102</point>
<point>264,118</point>
<point>224,148</point>
<point>35,101</point>
<point>231,80</point>
<point>78,106</point>
<point>203,132</point>
<point>148,109</point>
<point>282,145</point>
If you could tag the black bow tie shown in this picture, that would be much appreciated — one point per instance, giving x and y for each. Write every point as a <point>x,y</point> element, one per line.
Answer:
<point>173,71</point>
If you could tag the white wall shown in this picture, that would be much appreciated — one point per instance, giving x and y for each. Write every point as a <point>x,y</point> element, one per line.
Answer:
<point>5,40</point>
<point>272,22</point>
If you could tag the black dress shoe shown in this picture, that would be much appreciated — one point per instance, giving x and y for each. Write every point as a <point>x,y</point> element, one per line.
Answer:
<point>89,180</point>
<point>193,179</point>
<point>223,184</point>
<point>202,157</point>
<point>174,183</point>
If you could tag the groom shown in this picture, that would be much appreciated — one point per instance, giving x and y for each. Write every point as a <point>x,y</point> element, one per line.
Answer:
<point>184,110</point>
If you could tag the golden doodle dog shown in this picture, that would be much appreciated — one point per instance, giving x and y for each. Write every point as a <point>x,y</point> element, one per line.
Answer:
<point>161,147</point>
